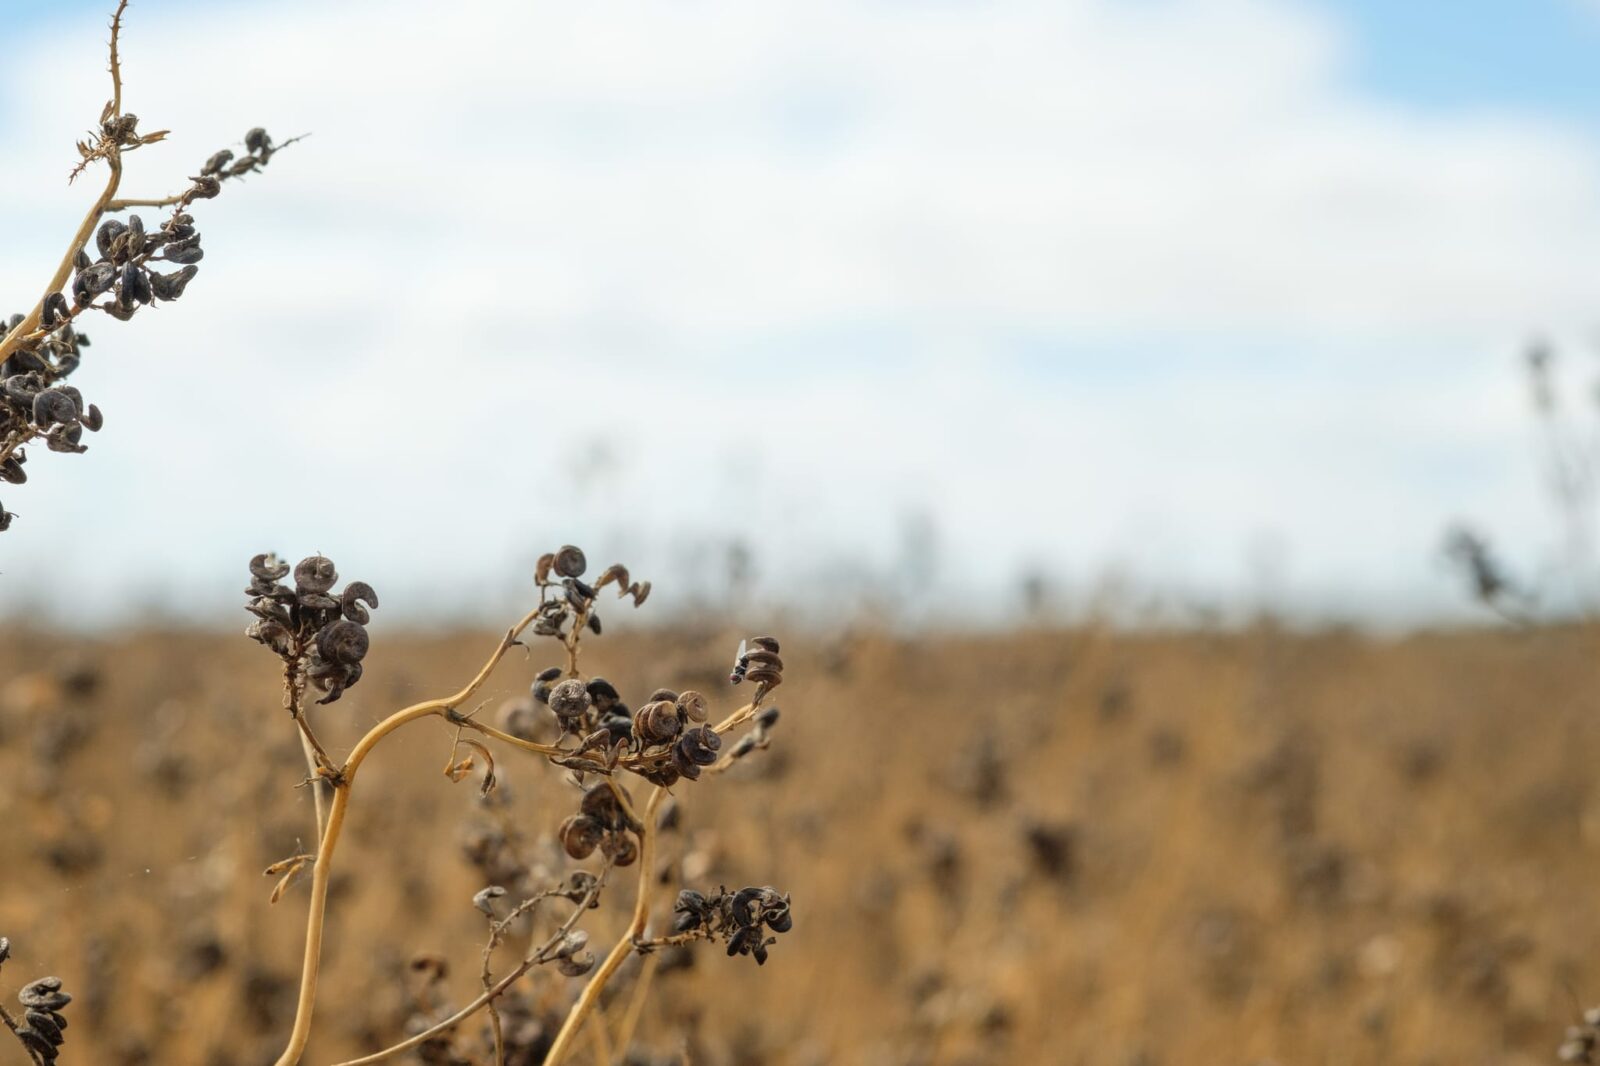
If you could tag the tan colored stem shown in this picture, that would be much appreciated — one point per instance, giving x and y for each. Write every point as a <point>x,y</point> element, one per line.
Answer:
<point>636,1002</point>
<point>624,947</point>
<point>315,920</point>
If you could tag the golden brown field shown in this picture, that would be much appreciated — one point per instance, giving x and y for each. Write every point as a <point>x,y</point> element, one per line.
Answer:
<point>1048,847</point>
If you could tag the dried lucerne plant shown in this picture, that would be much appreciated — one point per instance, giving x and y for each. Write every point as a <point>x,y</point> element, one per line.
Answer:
<point>319,635</point>
<point>41,1030</point>
<point>39,350</point>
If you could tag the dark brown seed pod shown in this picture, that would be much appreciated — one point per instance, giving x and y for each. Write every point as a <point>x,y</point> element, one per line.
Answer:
<point>43,1022</point>
<point>621,849</point>
<point>550,674</point>
<point>268,567</point>
<point>657,722</point>
<point>135,236</point>
<point>641,592</point>
<point>576,965</point>
<point>343,642</point>
<point>603,694</point>
<point>600,803</point>
<point>570,561</point>
<point>44,994</point>
<point>615,572</point>
<point>55,309</point>
<point>93,281</point>
<point>318,601</point>
<point>107,234</point>
<point>594,623</point>
<point>765,644</point>
<point>580,835</point>
<point>258,141</point>
<point>65,438</point>
<point>569,699</point>
<point>356,594</point>
<point>764,675</point>
<point>186,252</point>
<point>746,745</point>
<point>663,694</point>
<point>219,160</point>
<point>315,573</point>
<point>767,718</point>
<point>135,285</point>
<point>541,569</point>
<point>700,746</point>
<point>37,1044</point>
<point>693,706</point>
<point>171,286</point>
<point>484,898</point>
<point>11,471</point>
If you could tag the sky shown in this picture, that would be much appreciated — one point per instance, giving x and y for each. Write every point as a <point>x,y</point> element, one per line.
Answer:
<point>1221,300</point>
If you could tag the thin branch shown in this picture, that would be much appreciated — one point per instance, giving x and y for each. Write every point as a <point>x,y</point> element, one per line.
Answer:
<point>636,1002</point>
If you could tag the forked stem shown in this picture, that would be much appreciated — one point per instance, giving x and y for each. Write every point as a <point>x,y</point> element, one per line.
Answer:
<point>321,872</point>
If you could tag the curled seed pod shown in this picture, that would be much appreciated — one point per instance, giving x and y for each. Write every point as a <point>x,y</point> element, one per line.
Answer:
<point>641,592</point>
<point>22,388</point>
<point>700,745</point>
<point>691,911</point>
<point>620,848</point>
<point>55,309</point>
<point>602,694</point>
<point>600,803</point>
<point>615,572</point>
<point>594,623</point>
<point>580,835</point>
<point>186,252</point>
<point>11,471</point>
<point>44,1023</point>
<point>135,285</point>
<point>569,699</point>
<point>92,282</point>
<point>576,965</point>
<point>663,694</point>
<point>540,691</point>
<point>765,675</point>
<point>767,718</point>
<point>779,920</point>
<point>318,601</point>
<point>343,642</point>
<point>135,235</point>
<point>570,561</point>
<point>620,726</point>
<point>693,706</point>
<point>578,885</point>
<point>171,286</point>
<point>549,674</point>
<point>219,160</point>
<point>541,569</point>
<point>355,594</point>
<point>107,234</point>
<point>740,907</point>
<point>37,1044</point>
<point>268,567</point>
<point>258,141</point>
<point>484,898</point>
<point>65,438</point>
<point>572,943</point>
<point>765,644</point>
<point>575,594</point>
<point>205,187</point>
<point>657,722</point>
<point>44,994</point>
<point>315,573</point>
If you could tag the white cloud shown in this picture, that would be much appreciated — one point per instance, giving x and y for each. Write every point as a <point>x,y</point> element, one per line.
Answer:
<point>805,268</point>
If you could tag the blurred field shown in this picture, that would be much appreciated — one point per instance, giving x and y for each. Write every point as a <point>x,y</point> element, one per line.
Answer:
<point>1048,847</point>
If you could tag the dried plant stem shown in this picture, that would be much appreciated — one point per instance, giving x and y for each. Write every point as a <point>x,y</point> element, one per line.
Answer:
<point>624,947</point>
<point>342,784</point>
<point>636,1001</point>
<point>30,321</point>
<point>599,1039</point>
